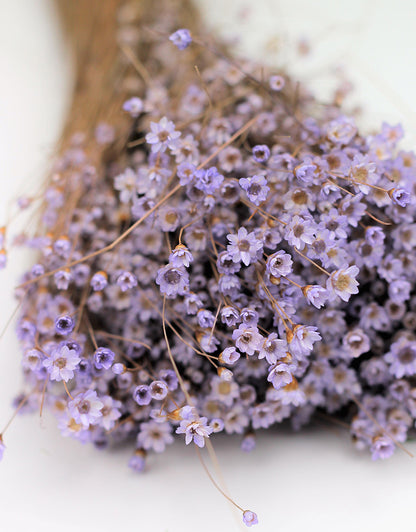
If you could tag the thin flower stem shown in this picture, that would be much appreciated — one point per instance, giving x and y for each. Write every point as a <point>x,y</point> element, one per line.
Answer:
<point>229,499</point>
<point>175,367</point>
<point>67,391</point>
<point>312,262</point>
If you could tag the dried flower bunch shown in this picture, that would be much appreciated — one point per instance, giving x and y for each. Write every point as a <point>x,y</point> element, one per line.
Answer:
<point>225,254</point>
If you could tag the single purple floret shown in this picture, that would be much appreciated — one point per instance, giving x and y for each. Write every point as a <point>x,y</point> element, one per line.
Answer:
<point>279,264</point>
<point>103,358</point>
<point>85,408</point>
<point>61,363</point>
<point>208,180</point>
<point>261,153</point>
<point>99,281</point>
<point>172,281</point>
<point>280,375</point>
<point>229,356</point>
<point>247,339</point>
<point>64,325</point>
<point>134,106</point>
<point>400,197</point>
<point>256,188</point>
<point>195,429</point>
<point>250,518</point>
<point>163,135</point>
<point>315,294</point>
<point>181,38</point>
<point>126,281</point>
<point>142,395</point>
<point>138,461</point>
<point>181,256</point>
<point>158,390</point>
<point>244,246</point>
<point>382,447</point>
<point>155,436</point>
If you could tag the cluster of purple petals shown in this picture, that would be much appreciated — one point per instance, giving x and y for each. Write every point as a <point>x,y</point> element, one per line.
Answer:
<point>269,278</point>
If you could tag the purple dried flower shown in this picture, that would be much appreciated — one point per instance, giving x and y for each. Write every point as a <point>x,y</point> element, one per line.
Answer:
<point>402,358</point>
<point>181,38</point>
<point>61,363</point>
<point>126,281</point>
<point>261,153</point>
<point>256,188</point>
<point>248,443</point>
<point>279,264</point>
<point>250,518</point>
<point>126,184</point>
<point>229,356</point>
<point>208,180</point>
<point>400,196</point>
<point>342,283</point>
<point>276,82</point>
<point>133,106</point>
<point>172,281</point>
<point>158,390</point>
<point>302,339</point>
<point>85,408</point>
<point>64,325</point>
<point>170,378</point>
<point>230,316</point>
<point>181,256</point>
<point>341,130</point>
<point>186,173</point>
<point>247,339</point>
<point>305,171</point>
<point>273,348</point>
<point>163,135</point>
<point>196,429</point>
<point>315,294</point>
<point>217,425</point>
<point>62,279</point>
<point>110,412</point>
<point>244,246</point>
<point>155,436</point>
<point>142,395</point>
<point>280,375</point>
<point>103,358</point>
<point>138,461</point>
<point>382,447</point>
<point>300,231</point>
<point>118,368</point>
<point>99,281</point>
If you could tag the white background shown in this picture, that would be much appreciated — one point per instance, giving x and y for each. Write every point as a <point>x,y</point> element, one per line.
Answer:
<point>314,480</point>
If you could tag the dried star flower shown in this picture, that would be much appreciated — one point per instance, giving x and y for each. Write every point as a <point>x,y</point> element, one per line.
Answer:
<point>181,38</point>
<point>250,518</point>
<point>342,283</point>
<point>195,429</point>
<point>243,246</point>
<point>61,363</point>
<point>163,135</point>
<point>86,408</point>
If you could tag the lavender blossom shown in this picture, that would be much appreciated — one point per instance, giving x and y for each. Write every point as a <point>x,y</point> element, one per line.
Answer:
<point>195,429</point>
<point>86,408</point>
<point>256,188</point>
<point>244,246</point>
<point>61,363</point>
<point>181,38</point>
<point>162,136</point>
